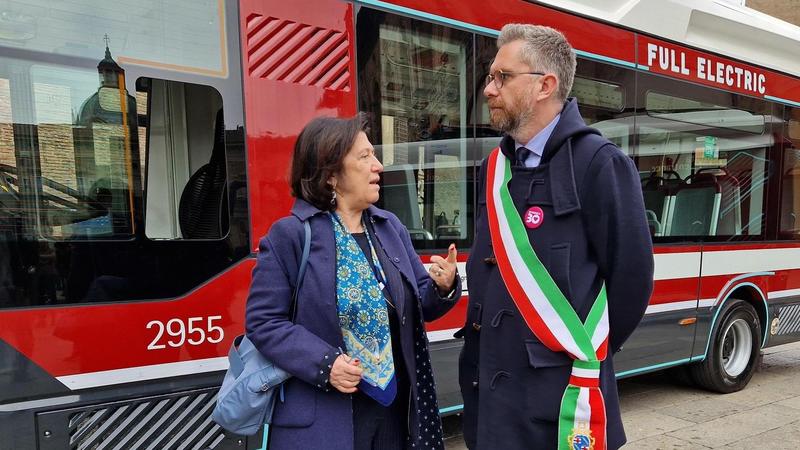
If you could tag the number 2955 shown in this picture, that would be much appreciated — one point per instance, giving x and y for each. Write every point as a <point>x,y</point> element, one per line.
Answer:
<point>192,331</point>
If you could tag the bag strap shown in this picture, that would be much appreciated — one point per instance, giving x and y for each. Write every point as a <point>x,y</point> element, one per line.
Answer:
<point>234,355</point>
<point>303,261</point>
<point>235,358</point>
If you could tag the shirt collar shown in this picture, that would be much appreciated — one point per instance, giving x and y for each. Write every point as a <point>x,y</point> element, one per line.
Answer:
<point>536,145</point>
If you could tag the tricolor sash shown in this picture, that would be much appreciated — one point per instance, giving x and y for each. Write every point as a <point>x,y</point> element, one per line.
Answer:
<point>548,313</point>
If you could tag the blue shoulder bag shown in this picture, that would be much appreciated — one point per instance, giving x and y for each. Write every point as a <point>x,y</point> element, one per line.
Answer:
<point>251,385</point>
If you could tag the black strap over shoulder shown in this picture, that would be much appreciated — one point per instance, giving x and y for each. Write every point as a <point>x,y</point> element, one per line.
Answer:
<point>302,271</point>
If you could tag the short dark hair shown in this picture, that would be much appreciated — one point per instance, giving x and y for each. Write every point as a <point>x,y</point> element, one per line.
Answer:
<point>318,154</point>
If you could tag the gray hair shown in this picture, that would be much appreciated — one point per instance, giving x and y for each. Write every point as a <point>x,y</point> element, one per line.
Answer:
<point>544,49</point>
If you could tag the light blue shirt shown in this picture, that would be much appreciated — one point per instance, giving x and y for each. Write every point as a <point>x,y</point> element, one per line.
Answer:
<point>536,145</point>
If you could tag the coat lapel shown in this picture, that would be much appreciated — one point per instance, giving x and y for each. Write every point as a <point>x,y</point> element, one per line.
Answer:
<point>392,248</point>
<point>395,283</point>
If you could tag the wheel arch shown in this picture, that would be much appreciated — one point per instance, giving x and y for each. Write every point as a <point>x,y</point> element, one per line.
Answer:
<point>750,293</point>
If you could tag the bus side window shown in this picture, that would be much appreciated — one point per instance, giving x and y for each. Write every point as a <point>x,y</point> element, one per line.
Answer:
<point>790,176</point>
<point>86,133</point>
<point>117,184</point>
<point>186,191</point>
<point>790,198</point>
<point>704,154</point>
<point>415,85</point>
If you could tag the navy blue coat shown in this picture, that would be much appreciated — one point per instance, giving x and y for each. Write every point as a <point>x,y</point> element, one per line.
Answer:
<point>594,230</point>
<point>314,415</point>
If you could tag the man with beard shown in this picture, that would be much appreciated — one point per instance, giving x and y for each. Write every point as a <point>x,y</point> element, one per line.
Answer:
<point>561,268</point>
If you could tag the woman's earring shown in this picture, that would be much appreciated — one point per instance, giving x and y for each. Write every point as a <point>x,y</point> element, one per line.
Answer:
<point>333,197</point>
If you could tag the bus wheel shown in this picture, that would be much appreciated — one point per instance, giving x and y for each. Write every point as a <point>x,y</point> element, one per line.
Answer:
<point>733,354</point>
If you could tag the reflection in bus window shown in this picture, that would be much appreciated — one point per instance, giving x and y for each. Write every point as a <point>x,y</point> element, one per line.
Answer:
<point>185,34</point>
<point>486,137</point>
<point>597,93</point>
<point>704,167</point>
<point>605,103</point>
<point>415,86</point>
<point>86,131</point>
<point>701,113</point>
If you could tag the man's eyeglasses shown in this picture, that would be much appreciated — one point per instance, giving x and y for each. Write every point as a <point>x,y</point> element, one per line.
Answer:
<point>500,77</point>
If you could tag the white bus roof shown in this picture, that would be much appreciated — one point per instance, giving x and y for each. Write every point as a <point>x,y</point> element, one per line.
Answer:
<point>714,25</point>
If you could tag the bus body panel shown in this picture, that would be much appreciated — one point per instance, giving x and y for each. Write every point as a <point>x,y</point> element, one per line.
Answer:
<point>287,82</point>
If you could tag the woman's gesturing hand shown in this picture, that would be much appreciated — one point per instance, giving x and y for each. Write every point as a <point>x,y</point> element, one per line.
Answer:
<point>345,374</point>
<point>443,271</point>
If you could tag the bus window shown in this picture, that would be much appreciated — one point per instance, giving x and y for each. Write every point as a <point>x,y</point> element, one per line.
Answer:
<point>596,93</point>
<point>486,137</point>
<point>790,177</point>
<point>702,113</point>
<point>185,190</point>
<point>117,184</point>
<point>703,158</point>
<point>103,139</point>
<point>68,140</point>
<point>604,94</point>
<point>414,86</point>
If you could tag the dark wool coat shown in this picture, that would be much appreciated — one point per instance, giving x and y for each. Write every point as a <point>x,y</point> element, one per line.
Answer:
<point>314,415</point>
<point>594,230</point>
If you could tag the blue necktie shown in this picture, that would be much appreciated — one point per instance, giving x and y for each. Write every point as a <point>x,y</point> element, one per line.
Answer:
<point>522,155</point>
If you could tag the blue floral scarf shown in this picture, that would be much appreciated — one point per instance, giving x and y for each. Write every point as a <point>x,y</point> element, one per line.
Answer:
<point>363,315</point>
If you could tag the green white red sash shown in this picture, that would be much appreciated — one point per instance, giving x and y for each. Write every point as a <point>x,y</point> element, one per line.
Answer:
<point>548,313</point>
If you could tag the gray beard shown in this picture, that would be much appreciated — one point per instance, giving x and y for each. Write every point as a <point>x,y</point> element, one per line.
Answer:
<point>511,124</point>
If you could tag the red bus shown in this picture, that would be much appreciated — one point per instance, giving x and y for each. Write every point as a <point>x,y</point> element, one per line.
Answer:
<point>144,150</point>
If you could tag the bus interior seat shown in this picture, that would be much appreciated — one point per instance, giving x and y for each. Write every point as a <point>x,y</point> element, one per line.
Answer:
<point>730,212</point>
<point>203,207</point>
<point>656,229</point>
<point>11,266</point>
<point>654,203</point>
<point>658,194</point>
<point>790,201</point>
<point>420,234</point>
<point>695,209</point>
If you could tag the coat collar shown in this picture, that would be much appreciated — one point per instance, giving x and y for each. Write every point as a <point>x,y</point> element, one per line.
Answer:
<point>304,210</point>
<point>381,229</point>
<point>558,155</point>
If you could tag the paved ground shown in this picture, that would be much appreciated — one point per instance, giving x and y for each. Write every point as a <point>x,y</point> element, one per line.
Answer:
<point>662,413</point>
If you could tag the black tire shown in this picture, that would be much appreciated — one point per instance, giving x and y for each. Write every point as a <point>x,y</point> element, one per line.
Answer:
<point>733,354</point>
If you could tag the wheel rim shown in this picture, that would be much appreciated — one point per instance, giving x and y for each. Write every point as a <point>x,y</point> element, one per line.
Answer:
<point>736,348</point>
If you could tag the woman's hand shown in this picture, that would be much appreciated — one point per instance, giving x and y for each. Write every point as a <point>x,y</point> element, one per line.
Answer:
<point>345,374</point>
<point>443,271</point>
